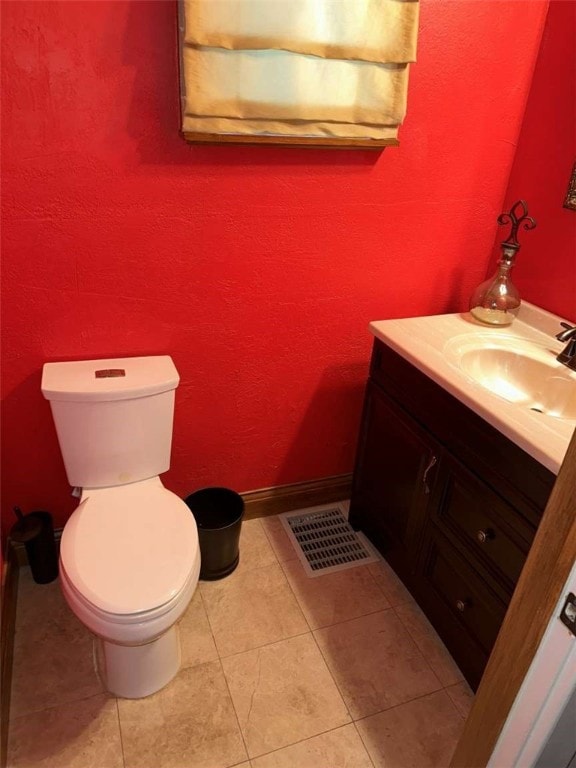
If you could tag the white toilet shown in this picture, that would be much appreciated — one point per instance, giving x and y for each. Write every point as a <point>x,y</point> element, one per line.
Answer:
<point>129,555</point>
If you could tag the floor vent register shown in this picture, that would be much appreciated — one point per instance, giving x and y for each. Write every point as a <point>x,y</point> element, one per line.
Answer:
<point>325,541</point>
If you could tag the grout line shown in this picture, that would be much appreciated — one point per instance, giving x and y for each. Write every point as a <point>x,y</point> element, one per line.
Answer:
<point>61,704</point>
<point>270,541</point>
<point>208,620</point>
<point>401,704</point>
<point>278,640</point>
<point>343,621</point>
<point>272,550</point>
<point>363,743</point>
<point>272,642</point>
<point>420,650</point>
<point>463,715</point>
<point>261,527</point>
<point>295,596</point>
<point>236,574</point>
<point>410,598</point>
<point>236,713</point>
<point>266,645</point>
<point>436,690</point>
<point>311,630</point>
<point>417,644</point>
<point>120,733</point>
<point>303,741</point>
<point>333,678</point>
<point>379,585</point>
<point>393,603</point>
<point>352,618</point>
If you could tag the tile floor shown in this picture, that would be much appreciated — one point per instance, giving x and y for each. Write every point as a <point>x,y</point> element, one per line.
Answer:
<point>279,671</point>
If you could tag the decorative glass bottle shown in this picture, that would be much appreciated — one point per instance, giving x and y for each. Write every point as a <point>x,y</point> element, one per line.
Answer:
<point>497,301</point>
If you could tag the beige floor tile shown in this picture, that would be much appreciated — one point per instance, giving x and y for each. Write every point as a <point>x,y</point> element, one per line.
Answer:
<point>433,649</point>
<point>462,696</point>
<point>84,734</point>
<point>341,748</point>
<point>278,538</point>
<point>255,549</point>
<point>390,584</point>
<point>283,693</point>
<point>375,663</point>
<point>189,724</point>
<point>335,597</point>
<point>196,641</point>
<point>35,601</point>
<point>53,651</point>
<point>252,608</point>
<point>420,734</point>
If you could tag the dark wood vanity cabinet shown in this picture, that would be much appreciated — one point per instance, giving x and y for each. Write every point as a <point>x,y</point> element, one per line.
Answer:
<point>395,468</point>
<point>450,502</point>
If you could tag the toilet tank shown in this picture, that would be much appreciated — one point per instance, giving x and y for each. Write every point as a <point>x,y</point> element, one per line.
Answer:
<point>113,417</point>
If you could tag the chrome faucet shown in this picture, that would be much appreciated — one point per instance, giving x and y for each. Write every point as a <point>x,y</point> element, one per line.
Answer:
<point>568,354</point>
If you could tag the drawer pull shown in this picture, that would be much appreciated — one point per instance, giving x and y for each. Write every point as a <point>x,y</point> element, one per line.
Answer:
<point>431,463</point>
<point>461,605</point>
<point>484,536</point>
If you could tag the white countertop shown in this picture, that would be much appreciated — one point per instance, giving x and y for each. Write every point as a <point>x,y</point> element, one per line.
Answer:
<point>423,341</point>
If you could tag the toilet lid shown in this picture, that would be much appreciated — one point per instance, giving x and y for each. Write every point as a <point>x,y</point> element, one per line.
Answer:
<point>130,548</point>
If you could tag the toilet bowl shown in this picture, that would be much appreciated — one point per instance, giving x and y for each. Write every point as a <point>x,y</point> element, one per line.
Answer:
<point>129,565</point>
<point>129,554</point>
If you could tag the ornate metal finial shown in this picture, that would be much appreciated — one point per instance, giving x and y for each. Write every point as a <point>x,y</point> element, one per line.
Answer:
<point>516,219</point>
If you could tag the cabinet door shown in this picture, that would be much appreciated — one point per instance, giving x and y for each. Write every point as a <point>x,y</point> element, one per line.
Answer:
<point>395,473</point>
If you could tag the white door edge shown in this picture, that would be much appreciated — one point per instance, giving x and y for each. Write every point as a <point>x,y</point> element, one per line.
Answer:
<point>543,695</point>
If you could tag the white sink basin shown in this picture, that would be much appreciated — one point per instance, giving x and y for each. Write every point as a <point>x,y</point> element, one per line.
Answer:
<point>519,371</point>
<point>509,376</point>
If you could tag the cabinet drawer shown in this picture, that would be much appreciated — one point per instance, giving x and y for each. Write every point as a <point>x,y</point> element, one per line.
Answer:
<point>485,524</point>
<point>468,600</point>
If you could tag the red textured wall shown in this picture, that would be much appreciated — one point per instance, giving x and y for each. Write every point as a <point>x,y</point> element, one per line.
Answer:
<point>546,265</point>
<point>257,269</point>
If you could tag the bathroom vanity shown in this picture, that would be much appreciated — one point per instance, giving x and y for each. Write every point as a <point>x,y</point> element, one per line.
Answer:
<point>451,479</point>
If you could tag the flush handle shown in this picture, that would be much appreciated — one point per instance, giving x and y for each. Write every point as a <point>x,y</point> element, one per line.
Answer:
<point>431,463</point>
<point>109,373</point>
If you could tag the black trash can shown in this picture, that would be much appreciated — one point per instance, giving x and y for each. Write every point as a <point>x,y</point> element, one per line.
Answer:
<point>218,513</point>
<point>36,531</point>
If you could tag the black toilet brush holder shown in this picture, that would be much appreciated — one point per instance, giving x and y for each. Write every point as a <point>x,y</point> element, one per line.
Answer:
<point>36,531</point>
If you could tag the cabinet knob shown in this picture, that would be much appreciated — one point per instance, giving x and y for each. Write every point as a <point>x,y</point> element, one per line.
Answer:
<point>461,605</point>
<point>484,536</point>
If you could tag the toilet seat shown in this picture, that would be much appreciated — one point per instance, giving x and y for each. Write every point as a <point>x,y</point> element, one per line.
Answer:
<point>128,552</point>
<point>122,619</point>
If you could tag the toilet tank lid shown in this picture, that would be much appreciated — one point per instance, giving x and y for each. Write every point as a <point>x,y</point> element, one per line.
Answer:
<point>122,378</point>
